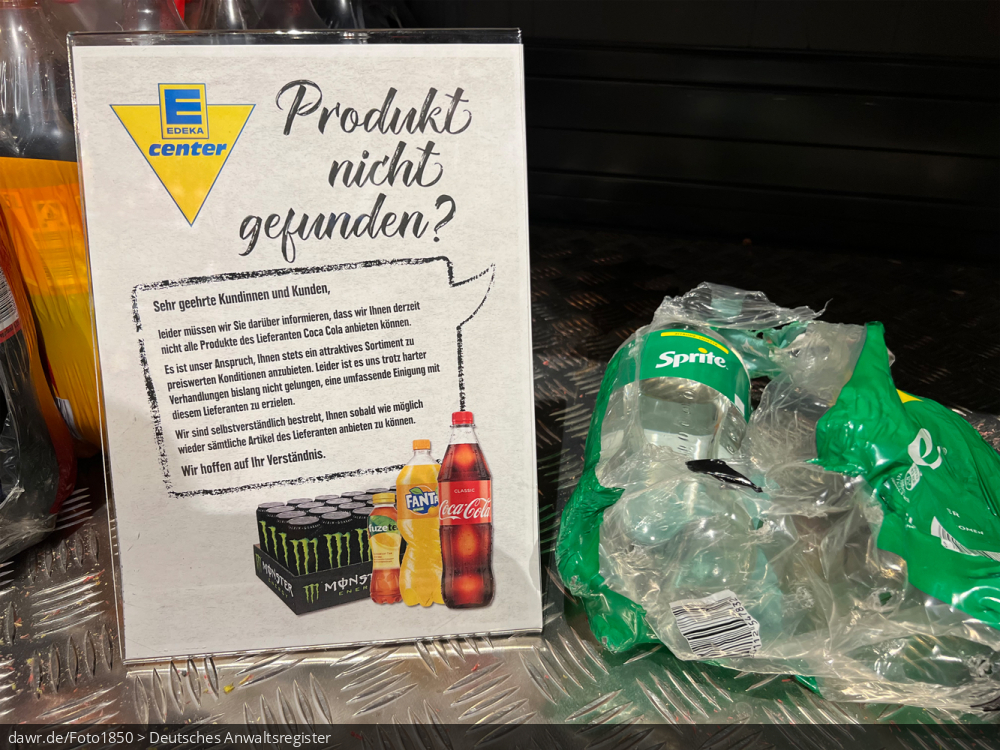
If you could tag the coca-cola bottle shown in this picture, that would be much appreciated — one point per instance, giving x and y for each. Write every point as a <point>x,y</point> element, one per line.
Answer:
<point>466,514</point>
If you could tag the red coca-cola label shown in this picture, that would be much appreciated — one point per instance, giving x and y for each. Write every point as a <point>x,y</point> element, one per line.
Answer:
<point>463,503</point>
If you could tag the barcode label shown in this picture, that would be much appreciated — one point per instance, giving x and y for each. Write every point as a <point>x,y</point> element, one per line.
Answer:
<point>9,319</point>
<point>717,625</point>
<point>950,542</point>
<point>56,252</point>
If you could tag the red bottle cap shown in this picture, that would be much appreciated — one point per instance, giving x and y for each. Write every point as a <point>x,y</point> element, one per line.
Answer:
<point>461,417</point>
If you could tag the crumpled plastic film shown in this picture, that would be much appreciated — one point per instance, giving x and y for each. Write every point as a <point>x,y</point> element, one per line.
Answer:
<point>868,563</point>
<point>37,467</point>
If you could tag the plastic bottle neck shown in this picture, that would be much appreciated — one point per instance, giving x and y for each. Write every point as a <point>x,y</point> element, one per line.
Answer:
<point>463,433</point>
<point>227,14</point>
<point>35,110</point>
<point>151,15</point>
<point>422,456</point>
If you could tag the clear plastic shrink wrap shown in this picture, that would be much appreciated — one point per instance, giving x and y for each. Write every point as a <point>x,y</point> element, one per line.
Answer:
<point>844,532</point>
<point>37,466</point>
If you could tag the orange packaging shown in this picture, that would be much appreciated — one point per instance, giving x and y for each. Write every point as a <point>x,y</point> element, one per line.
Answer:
<point>40,200</point>
<point>62,443</point>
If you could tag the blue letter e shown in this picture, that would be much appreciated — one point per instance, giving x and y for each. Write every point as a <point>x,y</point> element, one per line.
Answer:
<point>183,106</point>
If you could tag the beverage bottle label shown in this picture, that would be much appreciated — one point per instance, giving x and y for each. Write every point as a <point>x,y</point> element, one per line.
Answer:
<point>419,501</point>
<point>40,202</point>
<point>689,355</point>
<point>384,542</point>
<point>464,503</point>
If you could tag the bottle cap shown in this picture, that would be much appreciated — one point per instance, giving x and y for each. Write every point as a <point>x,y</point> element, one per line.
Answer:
<point>461,417</point>
<point>421,445</point>
<point>384,498</point>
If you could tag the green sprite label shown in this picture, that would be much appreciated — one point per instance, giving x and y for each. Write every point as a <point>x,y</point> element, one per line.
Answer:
<point>673,353</point>
<point>937,480</point>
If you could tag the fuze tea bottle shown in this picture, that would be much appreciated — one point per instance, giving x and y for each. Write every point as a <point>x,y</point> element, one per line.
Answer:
<point>417,508</point>
<point>384,541</point>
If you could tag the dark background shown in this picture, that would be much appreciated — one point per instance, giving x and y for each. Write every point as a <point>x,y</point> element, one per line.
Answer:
<point>869,127</point>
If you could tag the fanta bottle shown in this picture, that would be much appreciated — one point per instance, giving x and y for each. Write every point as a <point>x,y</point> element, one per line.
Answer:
<point>417,510</point>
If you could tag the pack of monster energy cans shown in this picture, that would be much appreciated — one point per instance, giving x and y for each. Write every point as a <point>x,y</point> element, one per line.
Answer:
<point>313,552</point>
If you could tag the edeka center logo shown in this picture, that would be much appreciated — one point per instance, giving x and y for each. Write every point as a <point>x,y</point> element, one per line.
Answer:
<point>186,140</point>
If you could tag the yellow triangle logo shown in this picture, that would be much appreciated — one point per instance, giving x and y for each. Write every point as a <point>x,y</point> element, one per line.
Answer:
<point>185,140</point>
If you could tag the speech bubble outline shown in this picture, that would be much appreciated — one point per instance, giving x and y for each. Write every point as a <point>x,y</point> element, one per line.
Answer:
<point>486,276</point>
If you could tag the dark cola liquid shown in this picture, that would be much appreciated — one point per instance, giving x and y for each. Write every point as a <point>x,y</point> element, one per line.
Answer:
<point>466,542</point>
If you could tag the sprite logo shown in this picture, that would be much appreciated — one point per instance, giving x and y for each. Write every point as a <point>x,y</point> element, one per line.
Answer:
<point>312,592</point>
<point>702,356</point>
<point>420,501</point>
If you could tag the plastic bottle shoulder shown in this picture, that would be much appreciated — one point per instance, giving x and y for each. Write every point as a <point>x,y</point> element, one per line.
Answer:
<point>422,458</point>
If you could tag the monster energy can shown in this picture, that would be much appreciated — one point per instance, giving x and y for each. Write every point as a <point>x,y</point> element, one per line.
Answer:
<point>328,499</point>
<point>300,500</point>
<point>262,523</point>
<point>351,493</point>
<point>379,490</point>
<point>302,554</point>
<point>351,506</point>
<point>310,504</point>
<point>275,525</point>
<point>322,509</point>
<point>363,499</point>
<point>338,540</point>
<point>359,517</point>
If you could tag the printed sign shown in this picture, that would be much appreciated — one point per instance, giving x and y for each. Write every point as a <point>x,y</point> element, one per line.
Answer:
<point>310,277</point>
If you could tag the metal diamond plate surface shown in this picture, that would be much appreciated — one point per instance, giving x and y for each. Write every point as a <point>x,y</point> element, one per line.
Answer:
<point>59,638</point>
